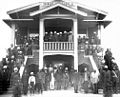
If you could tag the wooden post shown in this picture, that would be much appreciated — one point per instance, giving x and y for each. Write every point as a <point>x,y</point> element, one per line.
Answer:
<point>41,31</point>
<point>75,27</point>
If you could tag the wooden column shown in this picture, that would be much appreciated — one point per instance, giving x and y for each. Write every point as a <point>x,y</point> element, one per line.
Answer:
<point>41,31</point>
<point>101,33</point>
<point>75,29</point>
<point>13,40</point>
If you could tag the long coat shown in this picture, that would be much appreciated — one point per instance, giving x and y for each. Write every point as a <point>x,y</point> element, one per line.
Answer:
<point>107,83</point>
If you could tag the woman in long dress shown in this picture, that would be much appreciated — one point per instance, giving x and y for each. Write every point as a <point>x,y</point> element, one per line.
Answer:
<point>52,81</point>
<point>86,81</point>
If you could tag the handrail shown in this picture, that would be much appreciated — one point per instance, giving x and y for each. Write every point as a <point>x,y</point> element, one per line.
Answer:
<point>58,46</point>
<point>94,64</point>
<point>23,66</point>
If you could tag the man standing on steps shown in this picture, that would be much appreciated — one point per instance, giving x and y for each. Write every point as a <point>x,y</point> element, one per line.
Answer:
<point>16,83</point>
<point>25,82</point>
<point>94,79</point>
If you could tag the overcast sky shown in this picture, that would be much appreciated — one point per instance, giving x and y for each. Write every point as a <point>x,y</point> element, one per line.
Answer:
<point>111,36</point>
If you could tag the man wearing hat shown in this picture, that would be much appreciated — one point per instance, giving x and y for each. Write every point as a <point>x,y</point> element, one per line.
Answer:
<point>32,82</point>
<point>66,78</point>
<point>25,82</point>
<point>107,83</point>
<point>76,81</point>
<point>94,80</point>
<point>15,82</point>
<point>5,77</point>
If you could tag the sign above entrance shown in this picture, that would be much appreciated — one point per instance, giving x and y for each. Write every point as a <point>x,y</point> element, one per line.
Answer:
<point>48,4</point>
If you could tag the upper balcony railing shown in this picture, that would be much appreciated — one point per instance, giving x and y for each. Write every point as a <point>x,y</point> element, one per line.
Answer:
<point>61,46</point>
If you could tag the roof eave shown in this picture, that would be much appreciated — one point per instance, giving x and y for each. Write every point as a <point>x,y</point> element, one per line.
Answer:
<point>92,9</point>
<point>60,5</point>
<point>9,22</point>
<point>23,8</point>
<point>105,23</point>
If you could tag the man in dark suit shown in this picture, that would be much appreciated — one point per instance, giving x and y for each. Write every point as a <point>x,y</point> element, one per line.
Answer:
<point>108,59</point>
<point>76,79</point>
<point>107,82</point>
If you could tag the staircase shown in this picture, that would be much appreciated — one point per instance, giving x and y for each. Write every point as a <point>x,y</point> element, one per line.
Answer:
<point>97,61</point>
<point>10,90</point>
<point>84,59</point>
<point>34,59</point>
<point>94,64</point>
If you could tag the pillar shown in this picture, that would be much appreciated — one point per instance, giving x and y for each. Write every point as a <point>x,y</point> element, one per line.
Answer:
<point>13,40</point>
<point>41,31</point>
<point>75,28</point>
<point>101,33</point>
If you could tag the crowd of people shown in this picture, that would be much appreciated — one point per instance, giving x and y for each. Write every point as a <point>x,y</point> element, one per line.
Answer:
<point>56,78</point>
<point>59,78</point>
<point>14,59</point>
<point>54,36</point>
<point>89,44</point>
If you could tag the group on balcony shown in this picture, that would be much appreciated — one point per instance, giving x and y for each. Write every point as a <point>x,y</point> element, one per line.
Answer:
<point>88,44</point>
<point>54,36</point>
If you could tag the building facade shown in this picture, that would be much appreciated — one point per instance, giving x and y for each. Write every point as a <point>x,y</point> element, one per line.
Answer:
<point>60,32</point>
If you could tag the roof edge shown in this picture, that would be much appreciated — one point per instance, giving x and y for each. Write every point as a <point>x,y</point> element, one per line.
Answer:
<point>91,8</point>
<point>60,5</point>
<point>23,8</point>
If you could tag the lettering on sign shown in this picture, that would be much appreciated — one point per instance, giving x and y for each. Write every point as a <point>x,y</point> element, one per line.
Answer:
<point>48,4</point>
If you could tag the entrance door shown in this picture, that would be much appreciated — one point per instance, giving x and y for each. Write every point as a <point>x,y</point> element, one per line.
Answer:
<point>59,60</point>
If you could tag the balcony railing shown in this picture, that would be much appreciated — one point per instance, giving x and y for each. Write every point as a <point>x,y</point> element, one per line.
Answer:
<point>63,46</point>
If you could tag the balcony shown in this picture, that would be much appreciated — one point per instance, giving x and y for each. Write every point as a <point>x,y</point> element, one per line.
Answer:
<point>58,46</point>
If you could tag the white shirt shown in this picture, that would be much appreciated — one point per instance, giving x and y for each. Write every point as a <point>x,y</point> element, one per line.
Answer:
<point>94,77</point>
<point>31,79</point>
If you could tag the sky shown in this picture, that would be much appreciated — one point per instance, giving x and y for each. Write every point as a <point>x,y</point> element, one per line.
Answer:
<point>110,35</point>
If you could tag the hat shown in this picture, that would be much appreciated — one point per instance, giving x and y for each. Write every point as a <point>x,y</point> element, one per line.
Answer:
<point>60,32</point>
<point>55,32</point>
<point>85,69</point>
<point>20,52</point>
<point>103,61</point>
<point>12,56</point>
<point>105,66</point>
<point>26,43</point>
<point>65,31</point>
<point>5,66</point>
<point>15,69</point>
<point>31,73</point>
<point>51,32</point>
<point>18,48</point>
<point>66,68</point>
<point>45,68</point>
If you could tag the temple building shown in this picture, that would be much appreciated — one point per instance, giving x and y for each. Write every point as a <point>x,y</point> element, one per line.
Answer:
<point>59,33</point>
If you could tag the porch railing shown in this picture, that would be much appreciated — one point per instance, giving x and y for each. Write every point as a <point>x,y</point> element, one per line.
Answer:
<point>63,46</point>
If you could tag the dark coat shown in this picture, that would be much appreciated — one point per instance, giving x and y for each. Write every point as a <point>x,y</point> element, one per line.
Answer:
<point>15,79</point>
<point>76,78</point>
<point>107,82</point>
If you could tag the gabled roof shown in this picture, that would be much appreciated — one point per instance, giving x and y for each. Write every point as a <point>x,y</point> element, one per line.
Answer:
<point>92,9</point>
<point>23,8</point>
<point>39,4</point>
<point>58,5</point>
